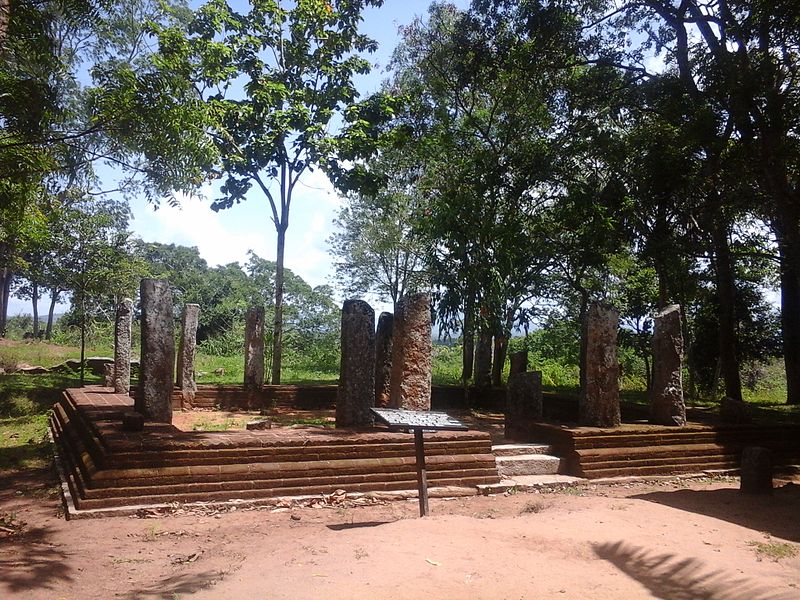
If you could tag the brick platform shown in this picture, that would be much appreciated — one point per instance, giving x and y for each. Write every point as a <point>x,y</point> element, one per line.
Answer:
<point>107,467</point>
<point>642,450</point>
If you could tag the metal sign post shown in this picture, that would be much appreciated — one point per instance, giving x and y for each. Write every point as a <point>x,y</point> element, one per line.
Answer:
<point>418,421</point>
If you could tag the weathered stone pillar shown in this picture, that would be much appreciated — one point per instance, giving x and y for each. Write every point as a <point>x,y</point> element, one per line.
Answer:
<point>383,359</point>
<point>666,391</point>
<point>756,471</point>
<point>186,349</point>
<point>519,362</point>
<point>599,399</point>
<point>154,399</point>
<point>523,404</point>
<point>411,354</point>
<point>254,347</point>
<point>356,392</point>
<point>122,347</point>
<point>483,359</point>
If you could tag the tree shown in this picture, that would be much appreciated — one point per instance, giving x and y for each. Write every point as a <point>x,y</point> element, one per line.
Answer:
<point>376,247</point>
<point>250,97</point>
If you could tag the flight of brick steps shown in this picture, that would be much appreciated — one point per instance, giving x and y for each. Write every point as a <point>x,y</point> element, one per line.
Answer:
<point>597,454</point>
<point>515,460</point>
<point>107,467</point>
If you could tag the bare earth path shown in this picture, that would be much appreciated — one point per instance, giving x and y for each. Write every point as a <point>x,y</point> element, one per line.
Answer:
<point>666,540</point>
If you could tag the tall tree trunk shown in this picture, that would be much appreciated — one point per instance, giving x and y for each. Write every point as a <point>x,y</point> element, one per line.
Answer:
<point>584,338</point>
<point>483,358</point>
<point>468,342</point>
<point>48,332</point>
<point>726,296</point>
<point>35,306</point>
<point>501,349</point>
<point>6,276</point>
<point>277,326</point>
<point>789,248</point>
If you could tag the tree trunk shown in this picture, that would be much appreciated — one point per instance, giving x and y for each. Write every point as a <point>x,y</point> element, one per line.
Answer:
<point>83,338</point>
<point>35,306</point>
<point>483,358</point>
<point>501,349</point>
<point>48,332</point>
<point>6,276</point>
<point>789,248</point>
<point>726,296</point>
<point>584,339</point>
<point>468,343</point>
<point>277,326</point>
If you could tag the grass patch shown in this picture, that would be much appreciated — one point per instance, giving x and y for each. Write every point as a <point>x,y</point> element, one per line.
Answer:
<point>774,551</point>
<point>226,425</point>
<point>24,443</point>
<point>533,507</point>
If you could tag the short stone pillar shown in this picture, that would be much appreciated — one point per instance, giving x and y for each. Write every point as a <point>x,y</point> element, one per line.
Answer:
<point>186,350</point>
<point>599,399</point>
<point>523,404</point>
<point>122,347</point>
<point>411,354</point>
<point>254,348</point>
<point>154,399</point>
<point>666,391</point>
<point>756,471</point>
<point>383,359</point>
<point>108,375</point>
<point>483,360</point>
<point>356,392</point>
<point>519,362</point>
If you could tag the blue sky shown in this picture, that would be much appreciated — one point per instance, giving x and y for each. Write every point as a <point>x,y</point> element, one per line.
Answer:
<point>227,236</point>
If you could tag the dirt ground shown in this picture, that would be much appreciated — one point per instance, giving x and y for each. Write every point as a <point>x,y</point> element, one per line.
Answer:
<point>676,539</point>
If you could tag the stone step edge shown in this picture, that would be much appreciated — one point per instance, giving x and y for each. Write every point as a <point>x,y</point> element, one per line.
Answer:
<point>521,458</point>
<point>510,485</point>
<point>520,449</point>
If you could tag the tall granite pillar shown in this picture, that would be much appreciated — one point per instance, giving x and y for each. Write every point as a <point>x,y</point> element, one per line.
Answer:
<point>483,359</point>
<point>599,398</point>
<point>154,399</point>
<point>356,392</point>
<point>519,362</point>
<point>523,404</point>
<point>122,347</point>
<point>186,349</point>
<point>383,359</point>
<point>411,354</point>
<point>666,391</point>
<point>254,347</point>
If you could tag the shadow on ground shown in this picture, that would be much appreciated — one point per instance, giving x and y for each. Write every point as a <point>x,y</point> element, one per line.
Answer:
<point>775,514</point>
<point>29,561</point>
<point>673,577</point>
<point>358,525</point>
<point>178,585</point>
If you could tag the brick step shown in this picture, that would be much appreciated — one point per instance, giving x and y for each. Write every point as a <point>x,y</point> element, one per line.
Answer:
<point>284,453</point>
<point>531,464</point>
<point>276,470</point>
<point>595,454</point>
<point>657,470</point>
<point>520,449</point>
<point>287,480</point>
<point>255,494</point>
<point>744,436</point>
<point>622,462</point>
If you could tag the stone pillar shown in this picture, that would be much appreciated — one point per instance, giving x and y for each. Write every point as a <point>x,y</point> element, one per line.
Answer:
<point>254,348</point>
<point>666,391</point>
<point>756,471</point>
<point>186,349</point>
<point>523,404</point>
<point>483,359</point>
<point>356,392</point>
<point>599,399</point>
<point>122,347</point>
<point>411,354</point>
<point>154,399</point>
<point>383,359</point>
<point>519,362</point>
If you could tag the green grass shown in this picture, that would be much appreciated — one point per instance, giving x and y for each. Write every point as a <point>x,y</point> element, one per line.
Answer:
<point>773,550</point>
<point>45,354</point>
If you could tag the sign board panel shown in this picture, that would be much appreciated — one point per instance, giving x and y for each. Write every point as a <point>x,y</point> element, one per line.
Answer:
<point>398,418</point>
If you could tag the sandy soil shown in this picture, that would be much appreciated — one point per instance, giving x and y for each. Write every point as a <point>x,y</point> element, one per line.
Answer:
<point>659,540</point>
